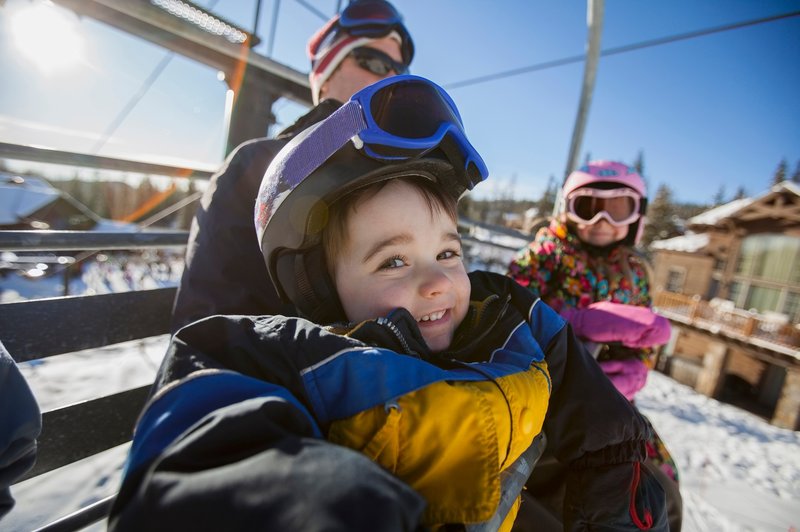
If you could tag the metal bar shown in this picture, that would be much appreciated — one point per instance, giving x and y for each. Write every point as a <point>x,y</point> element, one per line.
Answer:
<point>82,518</point>
<point>88,240</point>
<point>46,155</point>
<point>85,429</point>
<point>40,328</point>
<point>156,25</point>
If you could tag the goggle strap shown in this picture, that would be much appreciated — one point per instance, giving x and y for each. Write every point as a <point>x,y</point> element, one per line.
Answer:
<point>324,140</point>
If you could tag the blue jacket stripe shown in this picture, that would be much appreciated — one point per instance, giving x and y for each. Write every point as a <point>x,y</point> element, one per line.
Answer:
<point>180,407</point>
<point>359,379</point>
<point>545,322</point>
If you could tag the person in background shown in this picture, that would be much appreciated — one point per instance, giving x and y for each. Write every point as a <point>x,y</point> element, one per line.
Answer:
<point>224,272</point>
<point>412,395</point>
<point>584,264</point>
<point>20,425</point>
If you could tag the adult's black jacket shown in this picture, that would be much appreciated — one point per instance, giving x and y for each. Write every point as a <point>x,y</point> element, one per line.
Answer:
<point>225,271</point>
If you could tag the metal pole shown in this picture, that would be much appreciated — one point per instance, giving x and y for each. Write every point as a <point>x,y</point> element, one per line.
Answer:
<point>594,21</point>
<point>255,22</point>
<point>274,28</point>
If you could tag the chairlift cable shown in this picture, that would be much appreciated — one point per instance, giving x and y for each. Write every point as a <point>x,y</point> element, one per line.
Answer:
<point>313,9</point>
<point>617,50</point>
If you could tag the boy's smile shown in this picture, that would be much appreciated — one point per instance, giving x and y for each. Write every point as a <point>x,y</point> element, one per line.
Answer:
<point>402,251</point>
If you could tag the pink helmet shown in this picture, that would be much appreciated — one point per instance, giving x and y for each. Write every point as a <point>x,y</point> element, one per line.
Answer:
<point>601,174</point>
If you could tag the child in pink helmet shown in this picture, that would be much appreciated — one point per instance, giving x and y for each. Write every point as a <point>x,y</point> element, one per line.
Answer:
<point>584,265</point>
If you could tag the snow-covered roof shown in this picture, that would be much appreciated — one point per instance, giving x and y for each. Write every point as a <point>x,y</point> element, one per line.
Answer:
<point>711,217</point>
<point>20,197</point>
<point>690,243</point>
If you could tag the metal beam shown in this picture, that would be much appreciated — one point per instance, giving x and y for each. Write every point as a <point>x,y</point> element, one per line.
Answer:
<point>45,155</point>
<point>152,23</point>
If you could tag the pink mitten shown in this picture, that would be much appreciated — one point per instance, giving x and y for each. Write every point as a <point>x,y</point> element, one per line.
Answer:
<point>628,375</point>
<point>632,326</point>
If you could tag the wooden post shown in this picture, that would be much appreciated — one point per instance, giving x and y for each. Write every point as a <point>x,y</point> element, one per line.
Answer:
<point>750,324</point>
<point>711,376</point>
<point>695,307</point>
<point>787,411</point>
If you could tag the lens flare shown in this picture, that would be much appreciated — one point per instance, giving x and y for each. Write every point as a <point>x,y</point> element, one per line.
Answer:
<point>48,37</point>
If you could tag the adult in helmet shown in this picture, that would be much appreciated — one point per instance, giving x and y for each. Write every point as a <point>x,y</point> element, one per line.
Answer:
<point>441,378</point>
<point>584,264</point>
<point>224,272</point>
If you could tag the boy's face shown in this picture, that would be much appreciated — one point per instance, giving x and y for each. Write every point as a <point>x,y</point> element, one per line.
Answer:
<point>400,254</point>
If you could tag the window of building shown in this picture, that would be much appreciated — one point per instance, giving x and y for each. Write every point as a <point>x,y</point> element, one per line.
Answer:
<point>762,298</point>
<point>771,258</point>
<point>767,274</point>
<point>792,306</point>
<point>675,279</point>
<point>713,289</point>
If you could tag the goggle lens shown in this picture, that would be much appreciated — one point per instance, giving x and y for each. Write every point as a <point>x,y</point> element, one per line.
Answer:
<point>411,110</point>
<point>618,206</point>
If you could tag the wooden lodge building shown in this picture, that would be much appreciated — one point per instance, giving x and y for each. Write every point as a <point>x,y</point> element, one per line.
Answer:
<point>731,288</point>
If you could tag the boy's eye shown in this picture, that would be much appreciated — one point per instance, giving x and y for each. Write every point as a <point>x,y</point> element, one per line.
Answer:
<point>394,262</point>
<point>449,254</point>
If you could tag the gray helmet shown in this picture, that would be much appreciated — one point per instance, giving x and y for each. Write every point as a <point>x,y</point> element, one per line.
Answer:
<point>291,214</point>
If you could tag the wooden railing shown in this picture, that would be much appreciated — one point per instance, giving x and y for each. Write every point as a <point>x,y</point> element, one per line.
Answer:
<point>722,318</point>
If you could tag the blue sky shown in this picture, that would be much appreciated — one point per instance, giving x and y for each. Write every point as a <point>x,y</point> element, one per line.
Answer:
<point>715,111</point>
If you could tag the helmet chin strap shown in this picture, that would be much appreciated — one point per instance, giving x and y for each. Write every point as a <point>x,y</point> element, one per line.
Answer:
<point>315,295</point>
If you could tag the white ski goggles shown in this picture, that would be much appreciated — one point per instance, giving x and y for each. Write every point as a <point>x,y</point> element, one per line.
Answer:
<point>619,206</point>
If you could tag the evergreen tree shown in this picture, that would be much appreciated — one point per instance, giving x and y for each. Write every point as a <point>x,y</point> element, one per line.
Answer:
<point>639,164</point>
<point>544,205</point>
<point>719,197</point>
<point>796,174</point>
<point>661,214</point>
<point>741,193</point>
<point>780,173</point>
<point>587,158</point>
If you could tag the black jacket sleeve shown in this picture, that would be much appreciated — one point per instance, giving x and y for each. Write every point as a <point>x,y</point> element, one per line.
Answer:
<point>256,465</point>
<point>20,424</point>
<point>225,272</point>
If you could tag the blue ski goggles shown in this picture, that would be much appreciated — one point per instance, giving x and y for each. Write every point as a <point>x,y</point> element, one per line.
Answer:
<point>376,18</point>
<point>396,119</point>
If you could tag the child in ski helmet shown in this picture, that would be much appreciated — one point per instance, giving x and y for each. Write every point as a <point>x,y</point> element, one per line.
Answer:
<point>331,198</point>
<point>446,388</point>
<point>584,264</point>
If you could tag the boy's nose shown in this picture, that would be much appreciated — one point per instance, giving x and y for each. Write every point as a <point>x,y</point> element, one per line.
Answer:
<point>434,280</point>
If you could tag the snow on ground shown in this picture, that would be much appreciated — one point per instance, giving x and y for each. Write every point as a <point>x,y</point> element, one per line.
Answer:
<point>738,473</point>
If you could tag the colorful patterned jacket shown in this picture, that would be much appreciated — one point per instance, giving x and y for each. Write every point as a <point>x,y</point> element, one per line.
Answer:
<point>566,273</point>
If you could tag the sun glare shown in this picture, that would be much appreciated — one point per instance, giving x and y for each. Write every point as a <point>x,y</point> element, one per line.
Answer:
<point>47,36</point>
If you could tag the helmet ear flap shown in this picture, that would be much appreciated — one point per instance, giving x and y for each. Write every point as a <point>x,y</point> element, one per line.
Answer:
<point>304,280</point>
